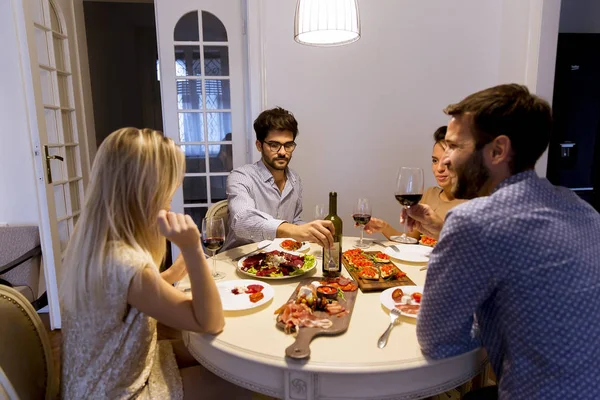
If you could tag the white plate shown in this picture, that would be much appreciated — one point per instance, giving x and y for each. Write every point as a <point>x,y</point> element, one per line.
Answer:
<point>410,252</point>
<point>241,264</point>
<point>276,245</point>
<point>386,297</point>
<point>236,302</point>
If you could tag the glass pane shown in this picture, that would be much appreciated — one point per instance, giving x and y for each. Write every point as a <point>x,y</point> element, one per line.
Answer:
<point>74,196</point>
<point>54,24</point>
<point>189,94</point>
<point>212,28</point>
<point>38,12</point>
<point>217,94</point>
<point>72,162</point>
<point>195,158</point>
<point>186,29</point>
<point>218,185</point>
<point>56,166</point>
<point>59,54</point>
<point>219,125</point>
<point>221,158</point>
<point>42,47</point>
<point>187,61</point>
<point>194,190</point>
<point>51,127</point>
<point>63,91</point>
<point>59,201</point>
<point>63,234</point>
<point>216,61</point>
<point>67,126</point>
<point>197,213</point>
<point>191,128</point>
<point>47,88</point>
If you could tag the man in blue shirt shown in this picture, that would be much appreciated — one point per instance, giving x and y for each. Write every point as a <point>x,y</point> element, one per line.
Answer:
<point>517,269</point>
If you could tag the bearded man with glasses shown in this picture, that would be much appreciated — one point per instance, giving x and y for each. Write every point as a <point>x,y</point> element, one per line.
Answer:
<point>265,198</point>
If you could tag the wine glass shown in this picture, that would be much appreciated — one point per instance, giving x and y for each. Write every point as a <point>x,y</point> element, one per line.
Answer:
<point>213,237</point>
<point>362,215</point>
<point>320,211</point>
<point>409,190</point>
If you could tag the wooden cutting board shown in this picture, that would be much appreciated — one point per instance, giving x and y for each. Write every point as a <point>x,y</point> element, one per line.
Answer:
<point>368,285</point>
<point>300,348</point>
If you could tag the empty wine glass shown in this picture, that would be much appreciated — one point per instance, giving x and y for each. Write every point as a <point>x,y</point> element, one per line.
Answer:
<point>409,190</point>
<point>320,211</point>
<point>213,237</point>
<point>362,215</point>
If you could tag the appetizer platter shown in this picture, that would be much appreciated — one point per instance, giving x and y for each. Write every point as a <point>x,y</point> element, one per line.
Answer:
<point>321,306</point>
<point>276,264</point>
<point>373,270</point>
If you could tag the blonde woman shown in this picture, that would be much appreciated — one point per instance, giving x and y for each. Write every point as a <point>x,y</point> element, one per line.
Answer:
<point>111,291</point>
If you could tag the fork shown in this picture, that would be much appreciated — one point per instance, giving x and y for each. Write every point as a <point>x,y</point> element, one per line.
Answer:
<point>394,314</point>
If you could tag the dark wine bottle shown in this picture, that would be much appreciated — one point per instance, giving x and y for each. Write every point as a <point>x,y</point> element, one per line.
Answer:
<point>335,253</point>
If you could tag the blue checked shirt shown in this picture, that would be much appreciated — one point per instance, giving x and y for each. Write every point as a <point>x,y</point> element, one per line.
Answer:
<point>524,264</point>
<point>257,207</point>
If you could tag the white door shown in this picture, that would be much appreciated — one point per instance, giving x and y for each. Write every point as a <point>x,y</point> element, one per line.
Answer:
<point>202,86</point>
<point>46,30</point>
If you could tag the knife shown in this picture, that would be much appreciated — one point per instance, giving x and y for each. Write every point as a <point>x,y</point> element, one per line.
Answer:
<point>252,252</point>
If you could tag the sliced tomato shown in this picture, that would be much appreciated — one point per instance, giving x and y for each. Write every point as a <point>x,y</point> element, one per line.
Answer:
<point>254,288</point>
<point>397,294</point>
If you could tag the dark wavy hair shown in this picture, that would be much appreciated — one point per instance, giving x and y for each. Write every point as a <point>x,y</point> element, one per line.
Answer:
<point>278,119</point>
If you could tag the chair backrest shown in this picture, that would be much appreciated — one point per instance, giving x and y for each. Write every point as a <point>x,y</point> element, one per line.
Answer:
<point>25,352</point>
<point>219,209</point>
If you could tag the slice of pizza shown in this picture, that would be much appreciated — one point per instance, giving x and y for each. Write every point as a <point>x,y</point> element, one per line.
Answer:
<point>387,270</point>
<point>369,273</point>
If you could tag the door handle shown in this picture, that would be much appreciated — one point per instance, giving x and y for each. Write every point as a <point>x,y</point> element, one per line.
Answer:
<point>48,158</point>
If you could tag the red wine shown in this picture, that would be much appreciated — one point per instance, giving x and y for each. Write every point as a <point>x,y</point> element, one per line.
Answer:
<point>213,243</point>
<point>408,200</point>
<point>361,219</point>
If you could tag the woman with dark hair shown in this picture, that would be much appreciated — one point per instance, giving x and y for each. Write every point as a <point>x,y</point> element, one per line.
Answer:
<point>439,198</point>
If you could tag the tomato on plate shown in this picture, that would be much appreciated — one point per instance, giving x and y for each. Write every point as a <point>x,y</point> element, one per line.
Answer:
<point>255,297</point>
<point>416,297</point>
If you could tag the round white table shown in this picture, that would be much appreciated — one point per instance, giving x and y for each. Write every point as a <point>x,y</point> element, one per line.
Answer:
<point>250,352</point>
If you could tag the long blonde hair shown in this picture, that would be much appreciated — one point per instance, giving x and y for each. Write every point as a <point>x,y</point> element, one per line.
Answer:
<point>134,175</point>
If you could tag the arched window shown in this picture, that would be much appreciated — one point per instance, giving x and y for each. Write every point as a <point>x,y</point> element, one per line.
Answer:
<point>58,100</point>
<point>204,108</point>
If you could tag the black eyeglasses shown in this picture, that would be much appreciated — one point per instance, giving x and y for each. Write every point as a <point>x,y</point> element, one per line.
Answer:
<point>276,146</point>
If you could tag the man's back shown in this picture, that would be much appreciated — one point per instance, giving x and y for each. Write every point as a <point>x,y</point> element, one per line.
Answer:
<point>532,258</point>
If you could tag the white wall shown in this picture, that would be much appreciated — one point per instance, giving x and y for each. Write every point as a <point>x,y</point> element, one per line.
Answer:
<point>370,107</point>
<point>580,16</point>
<point>18,202</point>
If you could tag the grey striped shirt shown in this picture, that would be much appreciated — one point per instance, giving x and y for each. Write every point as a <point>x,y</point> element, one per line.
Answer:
<point>257,207</point>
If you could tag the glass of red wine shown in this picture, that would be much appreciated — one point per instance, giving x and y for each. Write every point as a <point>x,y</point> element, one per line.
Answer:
<point>409,190</point>
<point>213,237</point>
<point>362,216</point>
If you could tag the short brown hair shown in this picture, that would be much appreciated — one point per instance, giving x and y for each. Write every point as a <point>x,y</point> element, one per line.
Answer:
<point>277,119</point>
<point>509,110</point>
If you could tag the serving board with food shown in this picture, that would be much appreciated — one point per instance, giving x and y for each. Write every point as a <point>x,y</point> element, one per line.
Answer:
<point>276,264</point>
<point>318,306</point>
<point>373,270</point>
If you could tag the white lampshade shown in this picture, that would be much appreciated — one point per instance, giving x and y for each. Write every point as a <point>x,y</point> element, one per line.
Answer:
<point>326,22</point>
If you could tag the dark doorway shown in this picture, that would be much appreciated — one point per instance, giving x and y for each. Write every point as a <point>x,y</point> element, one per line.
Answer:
<point>574,153</point>
<point>122,52</point>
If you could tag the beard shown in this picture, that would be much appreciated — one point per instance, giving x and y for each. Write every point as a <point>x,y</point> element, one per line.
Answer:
<point>471,177</point>
<point>271,162</point>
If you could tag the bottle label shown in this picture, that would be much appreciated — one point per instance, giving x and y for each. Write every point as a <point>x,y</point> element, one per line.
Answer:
<point>335,255</point>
